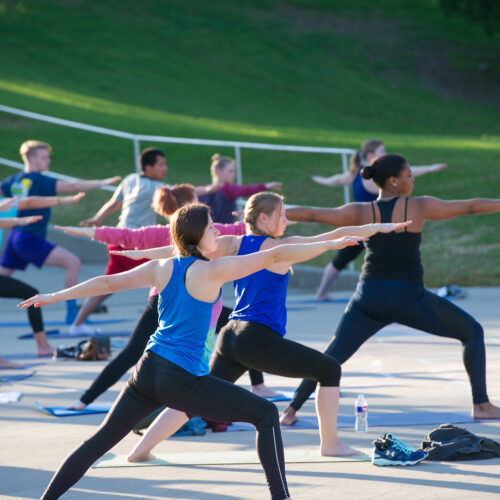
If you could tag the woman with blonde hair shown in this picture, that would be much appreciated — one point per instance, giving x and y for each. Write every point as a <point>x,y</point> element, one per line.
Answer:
<point>253,338</point>
<point>363,190</point>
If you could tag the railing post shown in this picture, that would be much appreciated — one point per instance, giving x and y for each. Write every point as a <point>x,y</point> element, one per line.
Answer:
<point>237,158</point>
<point>137,151</point>
<point>239,176</point>
<point>347,196</point>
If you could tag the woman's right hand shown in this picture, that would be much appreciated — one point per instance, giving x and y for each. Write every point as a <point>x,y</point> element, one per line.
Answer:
<point>275,186</point>
<point>7,203</point>
<point>31,219</point>
<point>77,231</point>
<point>131,254</point>
<point>346,241</point>
<point>388,227</point>
<point>40,299</point>
<point>67,200</point>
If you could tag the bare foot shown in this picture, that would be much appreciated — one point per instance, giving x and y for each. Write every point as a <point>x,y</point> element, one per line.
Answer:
<point>7,364</point>
<point>265,392</point>
<point>43,352</point>
<point>77,405</point>
<point>289,417</point>
<point>338,449</point>
<point>133,457</point>
<point>325,297</point>
<point>485,410</point>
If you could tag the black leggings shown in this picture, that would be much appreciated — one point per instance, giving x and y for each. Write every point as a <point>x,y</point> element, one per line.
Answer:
<point>158,382</point>
<point>346,255</point>
<point>378,303</point>
<point>12,288</point>
<point>242,345</point>
<point>134,349</point>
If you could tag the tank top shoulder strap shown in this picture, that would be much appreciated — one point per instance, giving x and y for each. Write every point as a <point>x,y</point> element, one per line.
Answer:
<point>373,210</point>
<point>406,212</point>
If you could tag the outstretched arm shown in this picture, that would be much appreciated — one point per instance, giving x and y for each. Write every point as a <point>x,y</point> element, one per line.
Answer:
<point>19,221</point>
<point>364,231</point>
<point>80,185</point>
<point>436,209</point>
<point>346,215</point>
<point>31,202</point>
<point>140,277</point>
<point>427,169</point>
<point>344,179</point>
<point>233,268</point>
<point>110,207</point>
<point>89,232</point>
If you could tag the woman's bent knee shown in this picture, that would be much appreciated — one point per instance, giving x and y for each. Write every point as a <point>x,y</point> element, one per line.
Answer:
<point>330,373</point>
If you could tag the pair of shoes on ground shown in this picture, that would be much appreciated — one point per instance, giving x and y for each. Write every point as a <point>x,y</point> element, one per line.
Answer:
<point>389,450</point>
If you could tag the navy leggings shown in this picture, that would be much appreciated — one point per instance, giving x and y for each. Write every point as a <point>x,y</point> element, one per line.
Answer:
<point>12,288</point>
<point>378,303</point>
<point>134,349</point>
<point>158,382</point>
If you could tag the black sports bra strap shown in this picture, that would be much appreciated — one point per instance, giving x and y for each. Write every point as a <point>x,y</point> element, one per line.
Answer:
<point>406,211</point>
<point>373,211</point>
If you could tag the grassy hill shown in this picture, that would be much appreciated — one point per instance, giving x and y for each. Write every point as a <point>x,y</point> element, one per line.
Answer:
<point>269,71</point>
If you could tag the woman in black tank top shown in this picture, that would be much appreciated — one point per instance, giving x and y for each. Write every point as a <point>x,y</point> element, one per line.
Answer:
<point>391,287</point>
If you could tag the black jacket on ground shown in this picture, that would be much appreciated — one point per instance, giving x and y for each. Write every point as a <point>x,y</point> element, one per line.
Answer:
<point>455,443</point>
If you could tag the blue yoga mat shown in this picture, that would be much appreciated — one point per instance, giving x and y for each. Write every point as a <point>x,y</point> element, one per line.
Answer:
<point>316,302</point>
<point>24,356</point>
<point>376,420</point>
<point>56,336</point>
<point>61,411</point>
<point>63,323</point>
<point>13,378</point>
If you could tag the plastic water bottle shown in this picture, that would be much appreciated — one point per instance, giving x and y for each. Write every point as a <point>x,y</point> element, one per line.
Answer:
<point>361,413</point>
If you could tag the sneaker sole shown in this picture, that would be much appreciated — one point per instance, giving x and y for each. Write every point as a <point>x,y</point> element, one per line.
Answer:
<point>381,462</point>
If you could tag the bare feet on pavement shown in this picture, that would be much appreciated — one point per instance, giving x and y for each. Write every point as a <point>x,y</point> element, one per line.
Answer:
<point>289,417</point>
<point>77,405</point>
<point>338,449</point>
<point>264,391</point>
<point>7,364</point>
<point>140,458</point>
<point>485,410</point>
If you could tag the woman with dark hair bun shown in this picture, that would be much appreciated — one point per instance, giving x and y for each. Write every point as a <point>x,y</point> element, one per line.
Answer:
<point>390,288</point>
<point>363,189</point>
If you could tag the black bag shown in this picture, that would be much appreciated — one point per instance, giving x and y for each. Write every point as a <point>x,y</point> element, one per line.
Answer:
<point>93,349</point>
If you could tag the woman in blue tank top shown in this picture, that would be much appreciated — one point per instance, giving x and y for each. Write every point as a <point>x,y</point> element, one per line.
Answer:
<point>174,368</point>
<point>253,338</point>
<point>363,190</point>
<point>391,286</point>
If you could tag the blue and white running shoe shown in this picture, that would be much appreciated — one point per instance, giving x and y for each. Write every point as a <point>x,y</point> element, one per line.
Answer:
<point>389,450</point>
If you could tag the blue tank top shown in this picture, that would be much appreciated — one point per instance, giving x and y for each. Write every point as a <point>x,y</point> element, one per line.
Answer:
<point>260,297</point>
<point>186,329</point>
<point>359,191</point>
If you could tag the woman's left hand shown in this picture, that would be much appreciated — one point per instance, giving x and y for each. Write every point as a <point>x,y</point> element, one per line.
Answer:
<point>41,299</point>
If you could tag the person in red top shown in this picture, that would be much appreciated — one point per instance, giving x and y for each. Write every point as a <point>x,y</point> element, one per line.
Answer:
<point>223,202</point>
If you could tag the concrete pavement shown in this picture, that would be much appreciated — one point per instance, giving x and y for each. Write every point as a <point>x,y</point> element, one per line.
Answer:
<point>399,370</point>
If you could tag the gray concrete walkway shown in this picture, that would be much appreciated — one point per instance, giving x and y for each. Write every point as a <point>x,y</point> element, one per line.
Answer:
<point>399,370</point>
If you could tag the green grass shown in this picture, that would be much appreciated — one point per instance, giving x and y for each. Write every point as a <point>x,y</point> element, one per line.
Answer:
<point>265,71</point>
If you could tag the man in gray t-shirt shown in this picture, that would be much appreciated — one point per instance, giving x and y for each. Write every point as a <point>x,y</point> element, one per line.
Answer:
<point>134,195</point>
